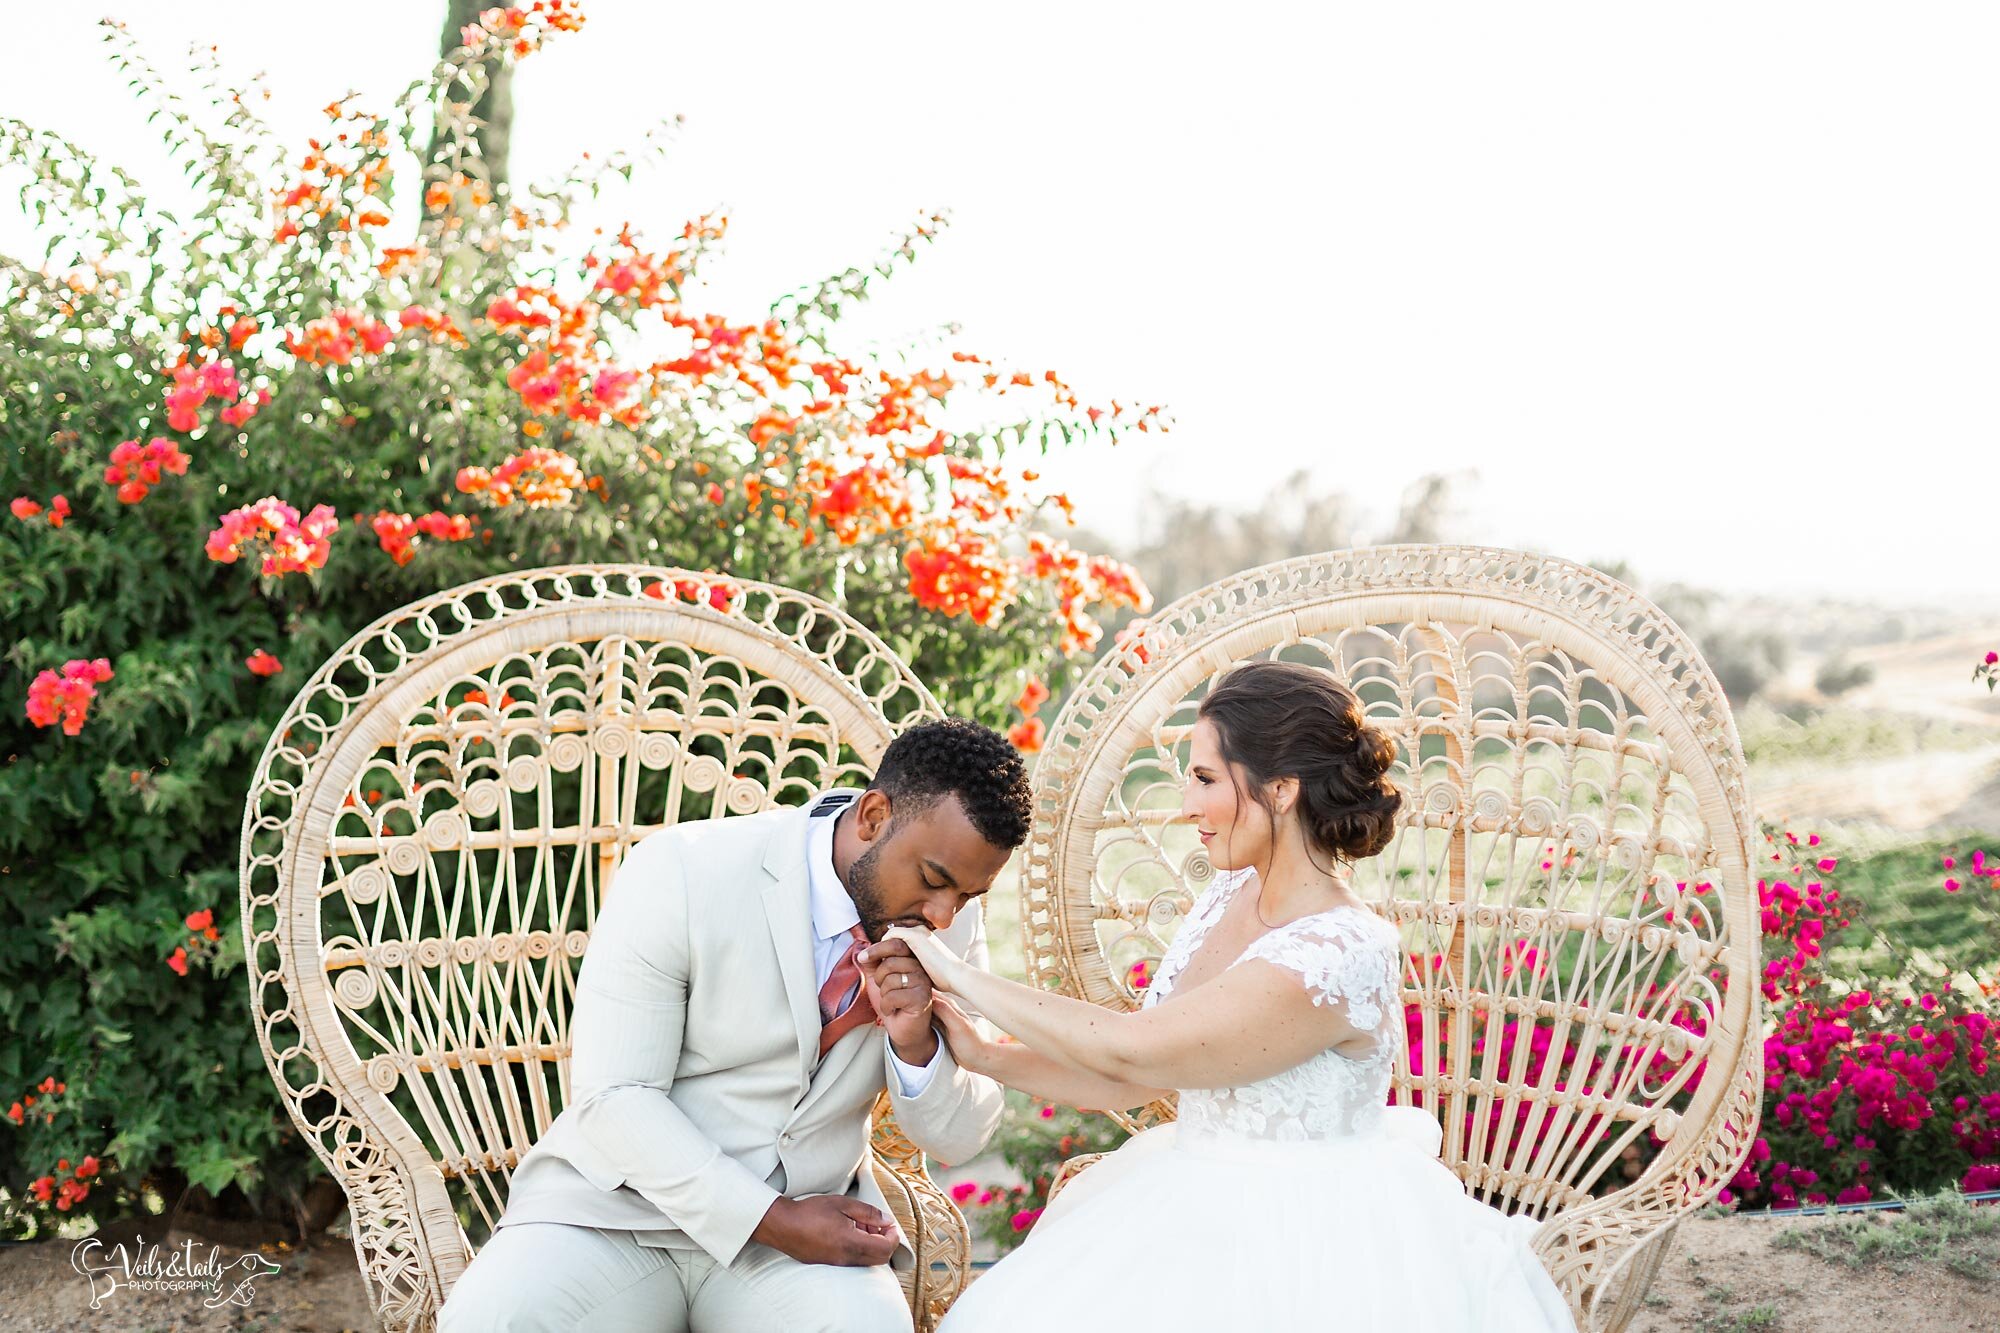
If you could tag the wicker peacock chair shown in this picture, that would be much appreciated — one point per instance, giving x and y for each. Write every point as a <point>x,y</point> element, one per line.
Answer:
<point>1572,857</point>
<point>426,844</point>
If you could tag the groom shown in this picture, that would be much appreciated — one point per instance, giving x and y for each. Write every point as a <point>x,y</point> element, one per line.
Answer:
<point>737,1015</point>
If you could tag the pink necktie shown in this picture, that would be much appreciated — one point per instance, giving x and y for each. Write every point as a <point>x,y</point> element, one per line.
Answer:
<point>836,1022</point>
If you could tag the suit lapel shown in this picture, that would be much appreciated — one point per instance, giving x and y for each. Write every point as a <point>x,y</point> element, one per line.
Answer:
<point>788,912</point>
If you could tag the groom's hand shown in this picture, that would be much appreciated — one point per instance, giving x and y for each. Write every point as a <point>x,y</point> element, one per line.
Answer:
<point>900,990</point>
<point>828,1229</point>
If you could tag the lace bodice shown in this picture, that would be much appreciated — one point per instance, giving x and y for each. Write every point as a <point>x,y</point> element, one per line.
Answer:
<point>1348,956</point>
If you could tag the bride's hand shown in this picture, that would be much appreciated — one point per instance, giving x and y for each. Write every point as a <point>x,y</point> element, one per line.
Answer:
<point>968,1044</point>
<point>940,962</point>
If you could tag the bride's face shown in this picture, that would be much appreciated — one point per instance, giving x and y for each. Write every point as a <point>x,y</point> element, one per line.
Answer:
<point>1234,828</point>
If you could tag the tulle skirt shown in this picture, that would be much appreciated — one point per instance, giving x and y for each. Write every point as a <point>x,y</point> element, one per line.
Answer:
<point>1172,1232</point>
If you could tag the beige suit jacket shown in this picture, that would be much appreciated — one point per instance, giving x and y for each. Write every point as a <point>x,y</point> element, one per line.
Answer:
<point>696,1093</point>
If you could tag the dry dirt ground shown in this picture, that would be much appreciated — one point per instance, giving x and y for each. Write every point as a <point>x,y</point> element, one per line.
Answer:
<point>316,1291</point>
<point>1724,1275</point>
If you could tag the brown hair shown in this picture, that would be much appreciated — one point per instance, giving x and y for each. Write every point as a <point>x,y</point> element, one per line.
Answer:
<point>1288,720</point>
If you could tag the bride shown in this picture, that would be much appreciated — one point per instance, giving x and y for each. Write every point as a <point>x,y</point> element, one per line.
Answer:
<point>1286,1195</point>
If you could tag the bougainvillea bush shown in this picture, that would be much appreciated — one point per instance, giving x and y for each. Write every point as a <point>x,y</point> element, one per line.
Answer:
<point>354,375</point>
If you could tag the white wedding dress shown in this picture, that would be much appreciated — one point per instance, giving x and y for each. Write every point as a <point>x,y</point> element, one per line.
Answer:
<point>1298,1202</point>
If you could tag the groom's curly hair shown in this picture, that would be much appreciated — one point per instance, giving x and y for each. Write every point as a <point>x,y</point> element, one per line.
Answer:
<point>957,757</point>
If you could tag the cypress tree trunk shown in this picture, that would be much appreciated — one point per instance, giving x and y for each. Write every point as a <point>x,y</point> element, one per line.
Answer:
<point>493,111</point>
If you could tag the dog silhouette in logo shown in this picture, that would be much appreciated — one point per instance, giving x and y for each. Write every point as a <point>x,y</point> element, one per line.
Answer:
<point>234,1287</point>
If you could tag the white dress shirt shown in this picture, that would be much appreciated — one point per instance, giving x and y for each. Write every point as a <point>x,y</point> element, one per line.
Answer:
<point>833,916</point>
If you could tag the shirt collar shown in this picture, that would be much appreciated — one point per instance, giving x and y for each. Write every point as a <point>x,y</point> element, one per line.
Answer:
<point>833,911</point>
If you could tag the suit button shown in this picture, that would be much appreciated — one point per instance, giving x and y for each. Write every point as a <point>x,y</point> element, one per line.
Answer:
<point>785,1139</point>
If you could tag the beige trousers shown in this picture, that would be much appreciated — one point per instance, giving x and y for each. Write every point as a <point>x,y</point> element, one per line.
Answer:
<point>541,1277</point>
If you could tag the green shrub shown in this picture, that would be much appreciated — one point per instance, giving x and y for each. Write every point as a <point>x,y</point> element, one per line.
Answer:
<point>498,391</point>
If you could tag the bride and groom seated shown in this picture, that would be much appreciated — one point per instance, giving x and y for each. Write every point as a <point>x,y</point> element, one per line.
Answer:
<point>754,983</point>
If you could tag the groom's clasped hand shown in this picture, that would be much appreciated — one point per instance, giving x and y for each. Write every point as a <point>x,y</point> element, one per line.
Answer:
<point>901,991</point>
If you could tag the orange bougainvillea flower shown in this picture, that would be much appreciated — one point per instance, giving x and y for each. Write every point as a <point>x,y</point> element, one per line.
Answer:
<point>520,30</point>
<point>178,961</point>
<point>262,663</point>
<point>1082,582</point>
<point>961,571</point>
<point>336,338</point>
<point>859,502</point>
<point>1027,736</point>
<point>436,323</point>
<point>539,478</point>
<point>1033,695</point>
<point>24,509</point>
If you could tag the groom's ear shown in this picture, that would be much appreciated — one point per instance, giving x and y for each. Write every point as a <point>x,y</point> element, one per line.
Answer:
<point>871,814</point>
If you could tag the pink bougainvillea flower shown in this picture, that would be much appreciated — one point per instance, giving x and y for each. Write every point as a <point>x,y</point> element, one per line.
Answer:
<point>400,535</point>
<point>272,528</point>
<point>335,339</point>
<point>24,508</point>
<point>135,468</point>
<point>64,696</point>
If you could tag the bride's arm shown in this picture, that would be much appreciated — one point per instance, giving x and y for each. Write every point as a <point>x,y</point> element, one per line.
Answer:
<point>1019,1066</point>
<point>1253,1021</point>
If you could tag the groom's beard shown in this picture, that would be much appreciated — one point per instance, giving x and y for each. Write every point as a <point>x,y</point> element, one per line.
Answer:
<point>865,889</point>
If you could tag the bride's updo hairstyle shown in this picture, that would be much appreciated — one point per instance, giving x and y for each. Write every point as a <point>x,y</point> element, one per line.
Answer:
<point>1286,720</point>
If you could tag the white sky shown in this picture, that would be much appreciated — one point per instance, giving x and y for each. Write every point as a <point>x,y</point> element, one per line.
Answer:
<point>1713,288</point>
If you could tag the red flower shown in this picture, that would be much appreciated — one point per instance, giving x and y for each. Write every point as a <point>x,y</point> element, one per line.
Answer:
<point>201,920</point>
<point>65,697</point>
<point>178,961</point>
<point>262,663</point>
